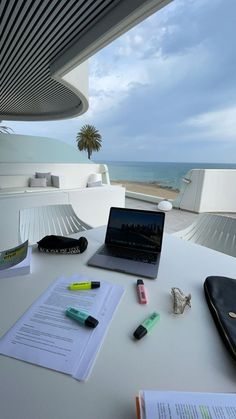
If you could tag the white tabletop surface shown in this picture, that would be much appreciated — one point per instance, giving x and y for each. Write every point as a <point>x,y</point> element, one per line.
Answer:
<point>183,352</point>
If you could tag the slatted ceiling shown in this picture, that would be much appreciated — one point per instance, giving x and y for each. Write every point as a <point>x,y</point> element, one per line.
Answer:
<point>34,36</point>
<point>39,35</point>
<point>34,33</point>
<point>39,89</point>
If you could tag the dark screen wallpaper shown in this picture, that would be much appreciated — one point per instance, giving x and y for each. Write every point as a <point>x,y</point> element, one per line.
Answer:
<point>140,230</point>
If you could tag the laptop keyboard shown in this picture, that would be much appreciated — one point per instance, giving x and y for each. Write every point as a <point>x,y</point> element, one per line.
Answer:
<point>129,254</point>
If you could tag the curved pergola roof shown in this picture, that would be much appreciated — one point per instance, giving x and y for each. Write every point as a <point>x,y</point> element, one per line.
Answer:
<point>44,46</point>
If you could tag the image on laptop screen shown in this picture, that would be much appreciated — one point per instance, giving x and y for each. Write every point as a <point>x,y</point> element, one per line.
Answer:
<point>136,229</point>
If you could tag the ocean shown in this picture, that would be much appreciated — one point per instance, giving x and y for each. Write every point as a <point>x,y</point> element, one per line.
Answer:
<point>167,175</point>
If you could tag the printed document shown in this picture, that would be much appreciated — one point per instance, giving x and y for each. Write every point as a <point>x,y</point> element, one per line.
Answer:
<point>181,405</point>
<point>45,336</point>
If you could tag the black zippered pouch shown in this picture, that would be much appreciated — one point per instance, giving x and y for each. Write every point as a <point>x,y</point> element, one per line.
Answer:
<point>61,244</point>
<point>220,295</point>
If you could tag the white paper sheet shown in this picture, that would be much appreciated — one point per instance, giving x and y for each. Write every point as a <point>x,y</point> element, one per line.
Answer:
<point>181,405</point>
<point>45,336</point>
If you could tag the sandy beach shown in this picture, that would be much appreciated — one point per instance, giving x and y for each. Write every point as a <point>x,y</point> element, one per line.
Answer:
<point>147,188</point>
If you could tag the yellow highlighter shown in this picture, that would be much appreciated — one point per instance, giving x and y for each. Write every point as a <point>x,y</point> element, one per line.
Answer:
<point>80,286</point>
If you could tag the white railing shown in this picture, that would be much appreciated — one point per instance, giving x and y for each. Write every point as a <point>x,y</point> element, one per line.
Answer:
<point>145,197</point>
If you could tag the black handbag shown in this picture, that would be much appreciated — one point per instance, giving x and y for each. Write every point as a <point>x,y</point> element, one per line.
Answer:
<point>220,295</point>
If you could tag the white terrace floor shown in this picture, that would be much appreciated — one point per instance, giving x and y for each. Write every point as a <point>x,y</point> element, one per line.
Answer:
<point>175,219</point>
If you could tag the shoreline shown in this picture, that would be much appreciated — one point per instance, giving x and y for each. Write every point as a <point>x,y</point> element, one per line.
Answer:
<point>147,188</point>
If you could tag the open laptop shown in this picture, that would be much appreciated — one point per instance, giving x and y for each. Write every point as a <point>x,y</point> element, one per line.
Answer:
<point>133,242</point>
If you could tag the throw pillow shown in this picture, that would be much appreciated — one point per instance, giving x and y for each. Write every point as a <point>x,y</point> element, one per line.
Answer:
<point>37,182</point>
<point>45,175</point>
<point>55,181</point>
<point>92,184</point>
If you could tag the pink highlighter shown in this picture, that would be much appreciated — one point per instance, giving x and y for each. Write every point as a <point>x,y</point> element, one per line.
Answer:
<point>142,295</point>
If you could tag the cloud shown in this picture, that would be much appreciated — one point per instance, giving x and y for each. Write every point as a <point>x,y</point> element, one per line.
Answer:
<point>189,92</point>
<point>130,45</point>
<point>193,66</point>
<point>215,125</point>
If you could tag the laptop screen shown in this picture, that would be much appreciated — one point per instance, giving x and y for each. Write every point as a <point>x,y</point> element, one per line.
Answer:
<point>137,229</point>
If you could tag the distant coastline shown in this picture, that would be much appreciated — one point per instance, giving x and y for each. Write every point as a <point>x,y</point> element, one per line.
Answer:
<point>163,175</point>
<point>162,179</point>
<point>147,188</point>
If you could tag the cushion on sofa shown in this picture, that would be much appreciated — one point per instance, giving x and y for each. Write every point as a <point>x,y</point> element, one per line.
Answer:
<point>36,182</point>
<point>93,184</point>
<point>55,181</point>
<point>95,179</point>
<point>45,175</point>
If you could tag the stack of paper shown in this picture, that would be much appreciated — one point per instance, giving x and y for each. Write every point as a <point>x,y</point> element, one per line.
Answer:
<point>15,261</point>
<point>45,336</point>
<point>180,405</point>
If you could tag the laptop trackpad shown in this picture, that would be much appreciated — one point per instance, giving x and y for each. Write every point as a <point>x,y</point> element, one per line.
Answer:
<point>147,270</point>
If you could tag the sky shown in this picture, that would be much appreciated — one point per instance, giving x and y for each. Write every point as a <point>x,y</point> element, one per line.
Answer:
<point>164,91</point>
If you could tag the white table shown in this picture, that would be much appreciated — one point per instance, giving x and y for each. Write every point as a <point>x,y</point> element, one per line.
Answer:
<point>183,352</point>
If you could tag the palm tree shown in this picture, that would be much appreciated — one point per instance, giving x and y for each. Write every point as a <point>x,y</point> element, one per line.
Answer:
<point>4,129</point>
<point>89,139</point>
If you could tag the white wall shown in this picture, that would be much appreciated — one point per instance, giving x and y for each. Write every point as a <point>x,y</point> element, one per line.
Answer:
<point>73,175</point>
<point>24,155</point>
<point>16,148</point>
<point>77,81</point>
<point>209,190</point>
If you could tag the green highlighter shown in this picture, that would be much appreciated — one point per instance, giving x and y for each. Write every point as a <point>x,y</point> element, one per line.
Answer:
<point>146,326</point>
<point>81,317</point>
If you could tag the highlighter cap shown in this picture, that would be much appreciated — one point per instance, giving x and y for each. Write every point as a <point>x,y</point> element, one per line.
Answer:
<point>91,322</point>
<point>95,284</point>
<point>139,282</point>
<point>140,332</point>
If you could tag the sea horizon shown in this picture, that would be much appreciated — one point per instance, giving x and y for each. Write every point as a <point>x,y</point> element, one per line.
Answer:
<point>164,174</point>
<point>156,161</point>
